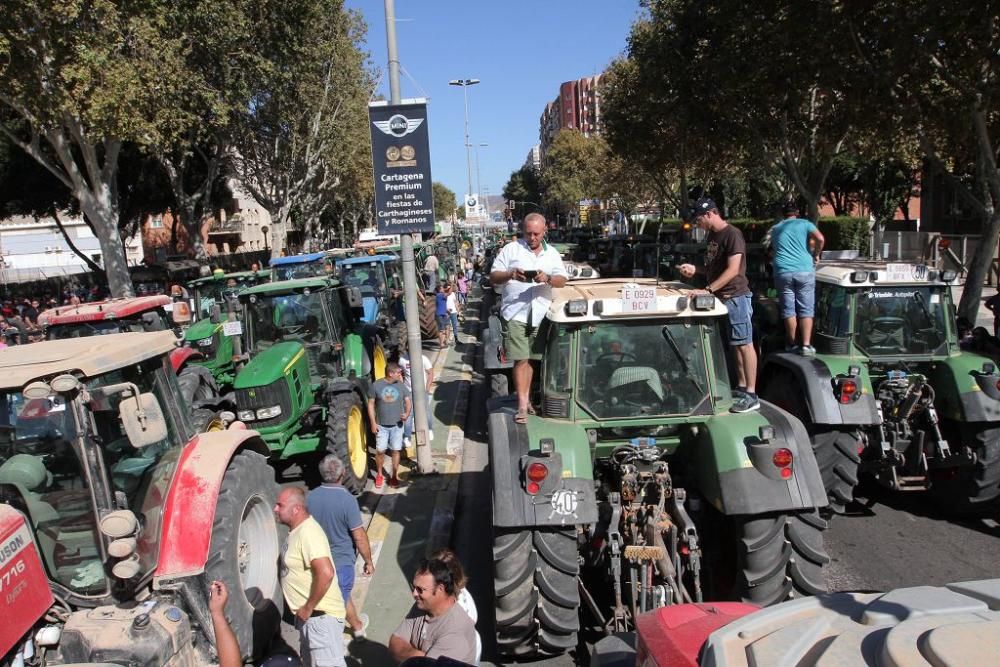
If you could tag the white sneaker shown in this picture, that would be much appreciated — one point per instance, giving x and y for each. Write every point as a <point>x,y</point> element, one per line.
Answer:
<point>430,436</point>
<point>406,442</point>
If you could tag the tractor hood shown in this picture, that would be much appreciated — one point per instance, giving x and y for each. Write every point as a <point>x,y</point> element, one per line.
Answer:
<point>269,365</point>
<point>201,329</point>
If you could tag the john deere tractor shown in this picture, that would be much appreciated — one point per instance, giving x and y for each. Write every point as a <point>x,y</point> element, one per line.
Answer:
<point>889,394</point>
<point>215,303</point>
<point>634,486</point>
<point>311,359</point>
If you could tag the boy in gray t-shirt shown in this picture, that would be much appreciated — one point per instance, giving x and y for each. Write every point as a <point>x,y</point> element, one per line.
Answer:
<point>389,407</point>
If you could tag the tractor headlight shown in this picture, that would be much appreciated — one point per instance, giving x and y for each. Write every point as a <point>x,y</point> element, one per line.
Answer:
<point>576,307</point>
<point>246,415</point>
<point>204,342</point>
<point>704,302</point>
<point>268,413</point>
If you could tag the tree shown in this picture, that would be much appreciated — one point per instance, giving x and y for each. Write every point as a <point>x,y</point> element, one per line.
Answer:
<point>82,78</point>
<point>444,201</point>
<point>571,171</point>
<point>307,119</point>
<point>523,186</point>
<point>936,67</point>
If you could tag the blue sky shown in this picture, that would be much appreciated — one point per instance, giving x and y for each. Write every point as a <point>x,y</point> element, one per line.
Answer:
<point>521,51</point>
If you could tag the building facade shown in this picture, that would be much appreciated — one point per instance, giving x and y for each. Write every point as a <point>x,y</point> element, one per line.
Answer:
<point>578,107</point>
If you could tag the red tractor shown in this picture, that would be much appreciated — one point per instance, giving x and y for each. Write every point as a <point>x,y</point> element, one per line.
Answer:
<point>115,514</point>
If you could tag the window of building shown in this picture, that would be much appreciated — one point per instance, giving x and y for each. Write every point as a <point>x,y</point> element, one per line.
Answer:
<point>156,222</point>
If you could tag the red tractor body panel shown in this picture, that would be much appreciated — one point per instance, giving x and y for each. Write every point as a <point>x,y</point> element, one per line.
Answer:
<point>24,587</point>
<point>189,511</point>
<point>112,309</point>
<point>181,355</point>
<point>674,635</point>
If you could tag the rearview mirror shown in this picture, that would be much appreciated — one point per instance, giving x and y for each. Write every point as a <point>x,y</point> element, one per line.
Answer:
<point>352,297</point>
<point>143,420</point>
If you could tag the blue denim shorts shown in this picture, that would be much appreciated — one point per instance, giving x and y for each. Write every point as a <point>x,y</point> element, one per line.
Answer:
<point>389,437</point>
<point>740,314</point>
<point>796,293</point>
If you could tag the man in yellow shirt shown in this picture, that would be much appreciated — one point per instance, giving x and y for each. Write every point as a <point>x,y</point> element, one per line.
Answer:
<point>309,583</point>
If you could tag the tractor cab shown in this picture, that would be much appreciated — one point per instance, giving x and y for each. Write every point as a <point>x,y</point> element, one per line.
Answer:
<point>309,265</point>
<point>126,315</point>
<point>220,290</point>
<point>378,279</point>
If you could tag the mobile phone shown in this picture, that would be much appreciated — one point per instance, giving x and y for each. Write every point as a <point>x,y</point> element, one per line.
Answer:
<point>530,274</point>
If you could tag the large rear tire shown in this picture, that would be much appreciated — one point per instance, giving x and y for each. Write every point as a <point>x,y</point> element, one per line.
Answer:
<point>245,546</point>
<point>428,318</point>
<point>976,489</point>
<point>347,438</point>
<point>838,459</point>
<point>197,384</point>
<point>537,598</point>
<point>781,556</point>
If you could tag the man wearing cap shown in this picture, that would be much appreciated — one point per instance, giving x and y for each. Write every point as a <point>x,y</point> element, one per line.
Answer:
<point>795,276</point>
<point>725,271</point>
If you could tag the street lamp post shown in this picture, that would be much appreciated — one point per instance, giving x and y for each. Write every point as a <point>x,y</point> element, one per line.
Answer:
<point>465,83</point>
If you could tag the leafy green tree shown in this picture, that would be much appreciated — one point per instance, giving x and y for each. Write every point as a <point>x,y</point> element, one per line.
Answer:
<point>444,201</point>
<point>571,170</point>
<point>523,186</point>
<point>306,123</point>
<point>81,79</point>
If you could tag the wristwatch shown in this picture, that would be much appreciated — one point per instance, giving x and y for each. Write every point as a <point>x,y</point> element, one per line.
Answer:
<point>709,289</point>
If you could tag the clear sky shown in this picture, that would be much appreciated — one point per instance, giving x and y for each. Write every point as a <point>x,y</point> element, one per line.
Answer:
<point>521,51</point>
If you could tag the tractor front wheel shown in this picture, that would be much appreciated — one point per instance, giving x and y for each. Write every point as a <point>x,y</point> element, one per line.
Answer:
<point>347,438</point>
<point>245,546</point>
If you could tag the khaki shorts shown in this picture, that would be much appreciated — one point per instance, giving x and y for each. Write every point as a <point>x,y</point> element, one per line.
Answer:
<point>522,343</point>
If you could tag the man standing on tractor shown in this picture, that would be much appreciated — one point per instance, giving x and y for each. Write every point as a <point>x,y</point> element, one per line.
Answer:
<point>795,276</point>
<point>528,269</point>
<point>725,271</point>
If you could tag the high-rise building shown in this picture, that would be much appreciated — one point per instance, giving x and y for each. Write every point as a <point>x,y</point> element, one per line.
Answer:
<point>534,159</point>
<point>578,107</point>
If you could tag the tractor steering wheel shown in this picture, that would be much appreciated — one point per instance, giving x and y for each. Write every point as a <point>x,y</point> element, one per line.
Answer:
<point>621,357</point>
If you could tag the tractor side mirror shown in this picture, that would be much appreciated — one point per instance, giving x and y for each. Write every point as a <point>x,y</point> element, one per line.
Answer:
<point>216,313</point>
<point>143,420</point>
<point>352,297</point>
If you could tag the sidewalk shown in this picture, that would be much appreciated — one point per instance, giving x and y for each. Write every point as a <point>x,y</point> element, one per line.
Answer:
<point>407,524</point>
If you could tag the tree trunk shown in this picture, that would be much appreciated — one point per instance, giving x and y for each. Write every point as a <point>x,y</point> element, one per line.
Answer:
<point>93,266</point>
<point>105,221</point>
<point>982,260</point>
<point>191,220</point>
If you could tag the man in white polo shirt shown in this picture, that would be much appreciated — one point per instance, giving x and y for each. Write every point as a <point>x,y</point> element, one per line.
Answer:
<point>527,269</point>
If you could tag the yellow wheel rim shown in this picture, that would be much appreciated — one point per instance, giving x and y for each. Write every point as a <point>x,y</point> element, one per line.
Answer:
<point>379,362</point>
<point>357,442</point>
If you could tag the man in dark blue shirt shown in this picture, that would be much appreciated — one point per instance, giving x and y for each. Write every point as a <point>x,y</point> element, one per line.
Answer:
<point>337,512</point>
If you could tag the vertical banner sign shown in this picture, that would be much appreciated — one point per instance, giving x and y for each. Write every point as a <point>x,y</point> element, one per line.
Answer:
<point>401,160</point>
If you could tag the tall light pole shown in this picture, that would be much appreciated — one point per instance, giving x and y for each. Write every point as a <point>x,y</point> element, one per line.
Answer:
<point>465,83</point>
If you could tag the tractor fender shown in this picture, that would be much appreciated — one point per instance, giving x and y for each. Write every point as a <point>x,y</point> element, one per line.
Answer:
<point>189,509</point>
<point>511,451</point>
<point>815,380</point>
<point>735,468</point>
<point>181,355</point>
<point>342,385</point>
<point>492,340</point>
<point>964,392</point>
<point>356,356</point>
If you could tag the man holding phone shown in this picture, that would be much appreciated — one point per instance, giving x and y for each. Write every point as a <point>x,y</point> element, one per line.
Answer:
<point>527,269</point>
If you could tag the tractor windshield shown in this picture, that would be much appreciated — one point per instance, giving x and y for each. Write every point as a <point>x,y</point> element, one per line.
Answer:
<point>640,369</point>
<point>900,320</point>
<point>286,317</point>
<point>214,293</point>
<point>369,278</point>
<point>150,321</point>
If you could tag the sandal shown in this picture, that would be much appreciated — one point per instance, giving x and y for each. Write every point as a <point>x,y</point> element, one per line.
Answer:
<point>521,417</point>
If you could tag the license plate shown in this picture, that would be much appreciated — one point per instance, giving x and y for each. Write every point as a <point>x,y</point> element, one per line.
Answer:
<point>897,375</point>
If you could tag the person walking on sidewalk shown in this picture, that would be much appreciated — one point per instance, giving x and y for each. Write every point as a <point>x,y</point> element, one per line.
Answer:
<point>795,276</point>
<point>441,312</point>
<point>337,512</point>
<point>726,272</point>
<point>436,626</point>
<point>527,269</point>
<point>404,363</point>
<point>431,265</point>
<point>309,583</point>
<point>389,407</point>
<point>451,303</point>
<point>463,289</point>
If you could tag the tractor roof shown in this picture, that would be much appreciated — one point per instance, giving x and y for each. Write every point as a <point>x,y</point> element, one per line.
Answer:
<point>672,300</point>
<point>238,276</point>
<point>90,355</point>
<point>366,259</point>
<point>113,309</point>
<point>286,286</point>
<point>869,273</point>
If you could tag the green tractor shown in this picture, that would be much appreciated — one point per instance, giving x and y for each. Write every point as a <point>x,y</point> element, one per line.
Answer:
<point>889,394</point>
<point>634,486</point>
<point>305,386</point>
<point>214,300</point>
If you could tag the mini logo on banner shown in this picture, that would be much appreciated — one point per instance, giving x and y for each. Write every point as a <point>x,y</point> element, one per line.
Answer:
<point>399,125</point>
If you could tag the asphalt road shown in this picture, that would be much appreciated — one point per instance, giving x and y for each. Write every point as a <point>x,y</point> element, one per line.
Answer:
<point>900,540</point>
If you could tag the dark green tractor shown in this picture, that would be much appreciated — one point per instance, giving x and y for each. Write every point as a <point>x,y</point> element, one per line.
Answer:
<point>634,486</point>
<point>890,395</point>
<point>215,302</point>
<point>312,359</point>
